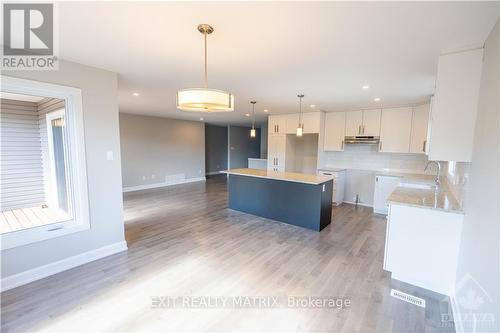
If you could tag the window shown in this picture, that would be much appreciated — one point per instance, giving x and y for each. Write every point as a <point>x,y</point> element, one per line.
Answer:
<point>43,171</point>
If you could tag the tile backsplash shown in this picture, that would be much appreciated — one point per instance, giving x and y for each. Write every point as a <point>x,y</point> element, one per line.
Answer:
<point>367,157</point>
<point>456,178</point>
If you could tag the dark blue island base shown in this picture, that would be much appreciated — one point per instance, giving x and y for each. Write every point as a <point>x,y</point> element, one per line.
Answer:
<point>302,204</point>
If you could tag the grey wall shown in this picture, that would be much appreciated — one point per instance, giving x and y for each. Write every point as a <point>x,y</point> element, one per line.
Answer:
<point>242,146</point>
<point>160,149</point>
<point>100,112</point>
<point>479,248</point>
<point>215,149</point>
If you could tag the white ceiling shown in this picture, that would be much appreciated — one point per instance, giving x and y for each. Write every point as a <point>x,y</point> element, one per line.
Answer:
<point>271,51</point>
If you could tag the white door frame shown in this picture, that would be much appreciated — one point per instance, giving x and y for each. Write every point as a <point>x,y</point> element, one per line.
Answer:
<point>77,174</point>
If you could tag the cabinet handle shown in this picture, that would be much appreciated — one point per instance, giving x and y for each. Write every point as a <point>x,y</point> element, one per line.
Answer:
<point>278,130</point>
<point>425,144</point>
<point>380,146</point>
<point>342,144</point>
<point>363,129</point>
<point>359,129</point>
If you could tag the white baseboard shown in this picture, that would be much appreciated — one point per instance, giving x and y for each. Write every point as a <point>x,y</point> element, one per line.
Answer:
<point>213,173</point>
<point>37,273</point>
<point>163,184</point>
<point>359,203</point>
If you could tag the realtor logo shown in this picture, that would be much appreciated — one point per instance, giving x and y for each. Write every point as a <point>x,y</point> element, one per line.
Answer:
<point>28,35</point>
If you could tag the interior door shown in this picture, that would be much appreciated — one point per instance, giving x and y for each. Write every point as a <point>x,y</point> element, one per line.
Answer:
<point>334,131</point>
<point>395,130</point>
<point>371,122</point>
<point>419,125</point>
<point>353,122</point>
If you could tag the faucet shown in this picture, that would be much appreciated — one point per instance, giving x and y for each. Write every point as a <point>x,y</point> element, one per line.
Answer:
<point>436,181</point>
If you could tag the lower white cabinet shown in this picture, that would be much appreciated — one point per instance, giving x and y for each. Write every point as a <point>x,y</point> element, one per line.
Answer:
<point>395,130</point>
<point>333,139</point>
<point>384,185</point>
<point>422,247</point>
<point>338,184</point>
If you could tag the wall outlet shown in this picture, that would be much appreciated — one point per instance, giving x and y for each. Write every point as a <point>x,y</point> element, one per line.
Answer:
<point>143,177</point>
<point>153,176</point>
<point>110,156</point>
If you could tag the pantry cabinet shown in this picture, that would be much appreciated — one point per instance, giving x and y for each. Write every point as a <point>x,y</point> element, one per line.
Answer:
<point>334,133</point>
<point>395,130</point>
<point>419,124</point>
<point>276,152</point>
<point>277,124</point>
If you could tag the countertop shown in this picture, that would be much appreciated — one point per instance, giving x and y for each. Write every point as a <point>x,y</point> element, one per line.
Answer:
<point>279,175</point>
<point>332,169</point>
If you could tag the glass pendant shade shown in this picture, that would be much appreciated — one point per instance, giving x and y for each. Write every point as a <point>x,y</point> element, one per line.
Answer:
<point>205,100</point>
<point>252,133</point>
<point>299,131</point>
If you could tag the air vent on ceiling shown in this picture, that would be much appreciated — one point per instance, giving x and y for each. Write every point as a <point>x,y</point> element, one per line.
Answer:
<point>408,298</point>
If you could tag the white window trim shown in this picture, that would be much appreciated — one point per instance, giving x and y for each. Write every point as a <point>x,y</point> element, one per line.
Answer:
<point>78,173</point>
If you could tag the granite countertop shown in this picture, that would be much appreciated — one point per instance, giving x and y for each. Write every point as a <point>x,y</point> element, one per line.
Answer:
<point>279,175</point>
<point>442,199</point>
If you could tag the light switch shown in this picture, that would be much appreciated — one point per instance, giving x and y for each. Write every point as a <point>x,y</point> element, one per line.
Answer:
<point>109,156</point>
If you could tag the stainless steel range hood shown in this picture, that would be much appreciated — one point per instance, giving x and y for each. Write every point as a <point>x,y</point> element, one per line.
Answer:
<point>362,139</point>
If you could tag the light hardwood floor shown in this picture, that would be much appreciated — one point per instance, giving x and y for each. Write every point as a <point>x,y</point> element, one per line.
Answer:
<point>184,241</point>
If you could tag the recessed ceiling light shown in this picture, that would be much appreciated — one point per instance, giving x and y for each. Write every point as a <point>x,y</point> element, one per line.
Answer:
<point>313,106</point>
<point>247,114</point>
<point>365,87</point>
<point>266,110</point>
<point>377,99</point>
<point>201,119</point>
<point>135,94</point>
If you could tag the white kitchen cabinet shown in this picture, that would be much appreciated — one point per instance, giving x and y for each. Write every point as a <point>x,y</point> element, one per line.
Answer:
<point>419,124</point>
<point>276,152</point>
<point>366,122</point>
<point>384,186</point>
<point>371,122</point>
<point>277,124</point>
<point>338,176</point>
<point>292,122</point>
<point>334,132</point>
<point>395,130</point>
<point>311,122</point>
<point>422,247</point>
<point>353,123</point>
<point>454,109</point>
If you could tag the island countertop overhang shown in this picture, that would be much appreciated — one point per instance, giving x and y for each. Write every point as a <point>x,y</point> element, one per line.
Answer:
<point>280,175</point>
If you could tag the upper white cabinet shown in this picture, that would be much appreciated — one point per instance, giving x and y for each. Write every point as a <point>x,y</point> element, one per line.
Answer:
<point>371,122</point>
<point>395,130</point>
<point>311,121</point>
<point>353,123</point>
<point>334,131</point>
<point>454,109</point>
<point>419,124</point>
<point>292,122</point>
<point>365,122</point>
<point>277,124</point>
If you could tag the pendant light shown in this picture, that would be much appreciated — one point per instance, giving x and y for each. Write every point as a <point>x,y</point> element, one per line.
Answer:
<point>300,128</point>
<point>205,99</point>
<point>252,131</point>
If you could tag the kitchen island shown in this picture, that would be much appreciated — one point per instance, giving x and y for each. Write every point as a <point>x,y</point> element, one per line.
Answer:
<point>299,199</point>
